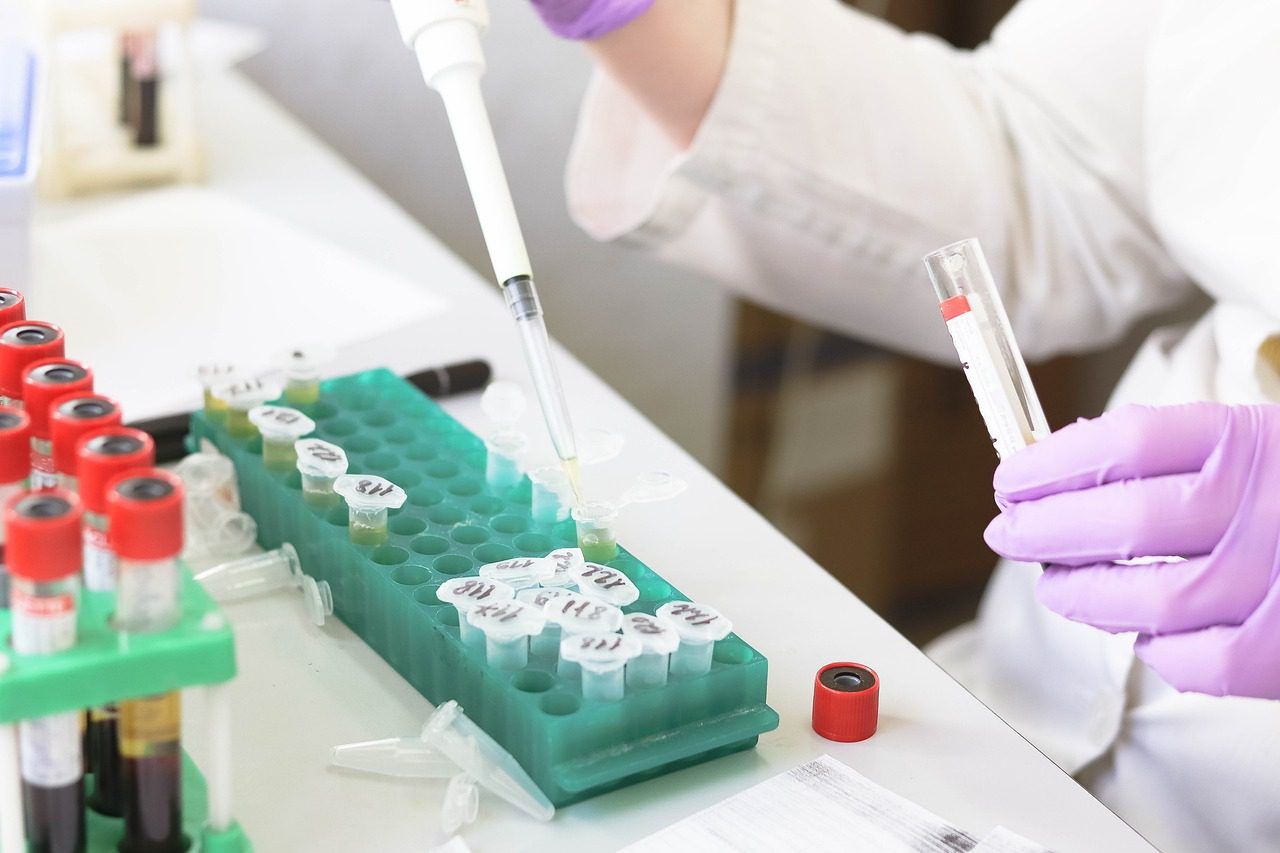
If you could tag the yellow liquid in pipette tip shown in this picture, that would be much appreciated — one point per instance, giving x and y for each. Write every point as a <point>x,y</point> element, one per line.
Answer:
<point>573,471</point>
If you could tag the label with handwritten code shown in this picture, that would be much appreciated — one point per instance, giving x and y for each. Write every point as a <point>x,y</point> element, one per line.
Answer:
<point>694,622</point>
<point>321,457</point>
<point>653,634</point>
<point>538,597</point>
<point>606,584</point>
<point>580,614</point>
<point>465,593</point>
<point>564,562</point>
<point>506,620</point>
<point>370,491</point>
<point>599,650</point>
<point>520,572</point>
<point>281,420</point>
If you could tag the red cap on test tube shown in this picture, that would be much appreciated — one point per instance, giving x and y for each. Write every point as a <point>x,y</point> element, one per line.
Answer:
<point>73,416</point>
<point>144,512</point>
<point>22,343</point>
<point>15,445</point>
<point>45,381</point>
<point>12,306</point>
<point>42,535</point>
<point>105,453</point>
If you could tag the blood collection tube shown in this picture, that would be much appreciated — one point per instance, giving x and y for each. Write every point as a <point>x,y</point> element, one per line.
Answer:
<point>145,512</point>
<point>43,382</point>
<point>20,344</point>
<point>15,466</point>
<point>101,455</point>
<point>43,549</point>
<point>13,307</point>
<point>71,418</point>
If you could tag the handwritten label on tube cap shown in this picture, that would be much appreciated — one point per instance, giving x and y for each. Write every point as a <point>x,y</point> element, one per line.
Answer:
<point>654,635</point>
<point>320,458</point>
<point>576,613</point>
<point>695,623</point>
<point>565,562</point>
<point>368,491</point>
<point>520,572</point>
<point>281,422</point>
<point>465,593</point>
<point>606,584</point>
<point>506,620</point>
<point>599,652</point>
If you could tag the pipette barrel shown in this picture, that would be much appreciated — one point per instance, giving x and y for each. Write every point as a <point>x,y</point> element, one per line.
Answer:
<point>692,659</point>
<point>605,686</point>
<point>648,670</point>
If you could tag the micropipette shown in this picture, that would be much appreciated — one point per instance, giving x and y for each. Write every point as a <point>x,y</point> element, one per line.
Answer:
<point>445,36</point>
<point>983,338</point>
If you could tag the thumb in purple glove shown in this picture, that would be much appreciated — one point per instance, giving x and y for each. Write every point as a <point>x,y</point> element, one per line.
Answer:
<point>1201,482</point>
<point>588,19</point>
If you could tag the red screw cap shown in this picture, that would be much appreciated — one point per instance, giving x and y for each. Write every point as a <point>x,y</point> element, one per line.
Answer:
<point>71,417</point>
<point>144,515</point>
<point>12,306</point>
<point>103,454</point>
<point>846,702</point>
<point>22,343</point>
<point>15,445</point>
<point>46,380</point>
<point>42,535</point>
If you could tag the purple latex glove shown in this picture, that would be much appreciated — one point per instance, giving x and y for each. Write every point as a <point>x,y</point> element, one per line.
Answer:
<point>1199,481</point>
<point>588,19</point>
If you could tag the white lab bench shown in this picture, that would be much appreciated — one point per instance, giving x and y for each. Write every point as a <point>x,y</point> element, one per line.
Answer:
<point>302,690</point>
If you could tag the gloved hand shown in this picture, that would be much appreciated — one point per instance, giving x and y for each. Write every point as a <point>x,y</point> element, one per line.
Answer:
<point>1199,481</point>
<point>588,19</point>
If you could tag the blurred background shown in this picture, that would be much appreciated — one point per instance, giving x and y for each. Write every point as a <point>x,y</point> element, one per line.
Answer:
<point>748,392</point>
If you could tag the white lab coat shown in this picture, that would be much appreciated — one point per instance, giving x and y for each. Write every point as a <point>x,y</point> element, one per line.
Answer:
<point>1111,155</point>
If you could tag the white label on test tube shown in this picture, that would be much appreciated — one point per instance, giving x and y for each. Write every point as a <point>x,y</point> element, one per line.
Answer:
<point>99,559</point>
<point>466,593</point>
<point>992,387</point>
<point>47,624</point>
<point>606,584</point>
<point>281,422</point>
<point>50,750</point>
<point>603,658</point>
<point>244,394</point>
<point>507,626</point>
<point>657,641</point>
<point>546,643</point>
<point>520,572</point>
<point>576,613</point>
<point>699,627</point>
<point>320,458</point>
<point>565,562</point>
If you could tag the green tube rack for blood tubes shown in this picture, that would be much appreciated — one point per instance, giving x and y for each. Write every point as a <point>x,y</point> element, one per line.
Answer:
<point>452,523</point>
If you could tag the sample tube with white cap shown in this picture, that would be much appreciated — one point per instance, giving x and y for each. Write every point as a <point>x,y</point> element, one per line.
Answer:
<point>281,427</point>
<point>606,584</point>
<point>241,396</point>
<point>564,563</point>
<point>211,377</point>
<point>603,659</point>
<point>576,613</point>
<point>657,641</point>
<point>546,643</point>
<point>699,627</point>
<point>983,338</point>
<point>507,627</point>
<point>302,367</point>
<point>320,464</point>
<point>519,572</point>
<point>259,574</point>
<point>369,499</point>
<point>466,593</point>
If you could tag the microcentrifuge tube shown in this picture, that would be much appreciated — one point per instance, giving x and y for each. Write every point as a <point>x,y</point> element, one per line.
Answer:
<point>550,489</point>
<point>466,593</point>
<point>502,460</point>
<point>606,584</point>
<point>699,627</point>
<point>597,536</point>
<point>576,613</point>
<point>546,643</point>
<point>368,499</point>
<point>657,641</point>
<point>259,574</point>
<point>399,757</point>
<point>507,626</point>
<point>280,427</point>
<point>302,369</point>
<point>241,396</point>
<point>503,403</point>
<point>212,376</point>
<point>320,463</point>
<point>565,563</point>
<point>519,572</point>
<point>461,803</point>
<point>451,732</point>
<point>603,659</point>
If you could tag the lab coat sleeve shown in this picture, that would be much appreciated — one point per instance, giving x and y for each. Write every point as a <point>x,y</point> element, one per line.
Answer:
<point>839,150</point>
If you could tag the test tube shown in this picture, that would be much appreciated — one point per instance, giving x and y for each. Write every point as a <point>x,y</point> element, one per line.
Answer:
<point>550,488</point>
<point>518,572</point>
<point>989,354</point>
<point>603,659</point>
<point>242,395</point>
<point>43,382</point>
<point>302,369</point>
<point>43,554</point>
<point>576,613</point>
<point>698,627</point>
<point>657,641</point>
<point>507,627</point>
<point>145,512</point>
<point>320,464</point>
<point>281,427</point>
<point>606,584</point>
<point>466,593</point>
<point>545,643</point>
<point>101,455</point>
<point>368,500</point>
<point>596,534</point>
<point>259,574</point>
<point>502,460</point>
<point>20,344</point>
<point>73,417</point>
<point>214,376</point>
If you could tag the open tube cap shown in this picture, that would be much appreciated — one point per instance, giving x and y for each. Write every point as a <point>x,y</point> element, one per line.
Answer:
<point>103,454</point>
<point>48,379</point>
<point>13,307</point>
<point>22,343</point>
<point>144,511</point>
<point>42,535</point>
<point>72,417</point>
<point>15,445</point>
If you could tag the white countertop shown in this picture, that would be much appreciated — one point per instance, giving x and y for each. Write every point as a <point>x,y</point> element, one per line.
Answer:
<point>302,690</point>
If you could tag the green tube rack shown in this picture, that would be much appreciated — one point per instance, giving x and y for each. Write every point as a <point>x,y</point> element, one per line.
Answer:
<point>100,669</point>
<point>450,526</point>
